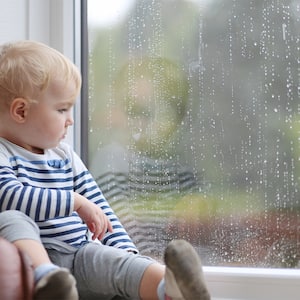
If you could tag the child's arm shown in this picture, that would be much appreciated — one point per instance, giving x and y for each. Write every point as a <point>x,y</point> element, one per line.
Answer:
<point>38,203</point>
<point>85,185</point>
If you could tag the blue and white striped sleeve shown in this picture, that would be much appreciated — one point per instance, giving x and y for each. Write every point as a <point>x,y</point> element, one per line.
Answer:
<point>85,185</point>
<point>38,203</point>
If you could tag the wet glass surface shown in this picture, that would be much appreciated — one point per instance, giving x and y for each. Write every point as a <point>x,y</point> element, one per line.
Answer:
<point>195,126</point>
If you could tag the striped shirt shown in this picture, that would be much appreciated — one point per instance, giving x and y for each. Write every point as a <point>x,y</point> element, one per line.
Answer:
<point>42,186</point>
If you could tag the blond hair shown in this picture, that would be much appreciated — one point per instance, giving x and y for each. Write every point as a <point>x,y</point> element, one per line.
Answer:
<point>28,67</point>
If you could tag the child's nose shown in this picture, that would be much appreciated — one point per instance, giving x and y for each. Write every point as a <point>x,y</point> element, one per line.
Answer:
<point>70,121</point>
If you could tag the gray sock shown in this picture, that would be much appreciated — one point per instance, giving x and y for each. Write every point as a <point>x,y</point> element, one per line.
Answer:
<point>161,290</point>
<point>42,270</point>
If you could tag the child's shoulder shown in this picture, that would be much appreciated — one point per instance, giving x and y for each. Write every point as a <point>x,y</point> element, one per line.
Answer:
<point>6,147</point>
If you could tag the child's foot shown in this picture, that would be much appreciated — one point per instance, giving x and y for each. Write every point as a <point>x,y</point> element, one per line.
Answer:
<point>184,277</point>
<point>58,284</point>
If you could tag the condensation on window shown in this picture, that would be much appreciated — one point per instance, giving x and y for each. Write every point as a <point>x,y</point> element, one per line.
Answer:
<point>194,125</point>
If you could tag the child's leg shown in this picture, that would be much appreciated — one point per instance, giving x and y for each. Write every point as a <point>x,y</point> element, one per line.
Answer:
<point>104,272</point>
<point>24,233</point>
<point>34,250</point>
<point>20,230</point>
<point>152,277</point>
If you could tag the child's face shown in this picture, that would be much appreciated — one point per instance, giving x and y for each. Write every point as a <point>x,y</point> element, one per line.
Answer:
<point>151,119</point>
<point>48,119</point>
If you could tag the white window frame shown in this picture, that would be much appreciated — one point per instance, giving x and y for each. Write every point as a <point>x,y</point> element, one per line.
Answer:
<point>57,23</point>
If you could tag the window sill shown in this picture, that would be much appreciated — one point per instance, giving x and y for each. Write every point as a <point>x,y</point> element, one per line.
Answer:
<point>230,283</point>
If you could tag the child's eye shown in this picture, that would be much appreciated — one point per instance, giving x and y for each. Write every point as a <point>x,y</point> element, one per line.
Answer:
<point>62,110</point>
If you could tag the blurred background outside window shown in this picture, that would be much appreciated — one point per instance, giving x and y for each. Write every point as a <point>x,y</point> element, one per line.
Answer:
<point>194,125</point>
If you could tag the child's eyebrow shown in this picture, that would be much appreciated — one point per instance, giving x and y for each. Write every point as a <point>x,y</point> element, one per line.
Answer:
<point>65,104</point>
<point>69,102</point>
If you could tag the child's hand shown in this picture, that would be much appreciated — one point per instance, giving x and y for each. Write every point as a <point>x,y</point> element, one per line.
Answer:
<point>93,216</point>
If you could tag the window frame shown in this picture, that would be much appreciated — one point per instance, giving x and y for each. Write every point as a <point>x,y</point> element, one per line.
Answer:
<point>60,24</point>
<point>224,282</point>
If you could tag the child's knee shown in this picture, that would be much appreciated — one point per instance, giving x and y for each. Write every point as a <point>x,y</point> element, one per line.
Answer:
<point>16,225</point>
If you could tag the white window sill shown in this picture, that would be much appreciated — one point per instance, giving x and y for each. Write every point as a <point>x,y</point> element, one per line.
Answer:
<point>252,283</point>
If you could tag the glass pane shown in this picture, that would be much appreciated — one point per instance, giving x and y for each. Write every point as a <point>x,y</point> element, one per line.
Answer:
<point>195,125</point>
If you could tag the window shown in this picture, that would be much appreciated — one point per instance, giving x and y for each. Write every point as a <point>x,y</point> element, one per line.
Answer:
<point>194,126</point>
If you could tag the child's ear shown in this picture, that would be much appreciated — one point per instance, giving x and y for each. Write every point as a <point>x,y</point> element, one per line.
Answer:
<point>18,109</point>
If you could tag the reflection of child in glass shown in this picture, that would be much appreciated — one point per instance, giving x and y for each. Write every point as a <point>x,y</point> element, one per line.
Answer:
<point>150,105</point>
<point>153,91</point>
<point>49,200</point>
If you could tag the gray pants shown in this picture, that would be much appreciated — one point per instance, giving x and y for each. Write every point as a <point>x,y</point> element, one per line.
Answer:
<point>101,272</point>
